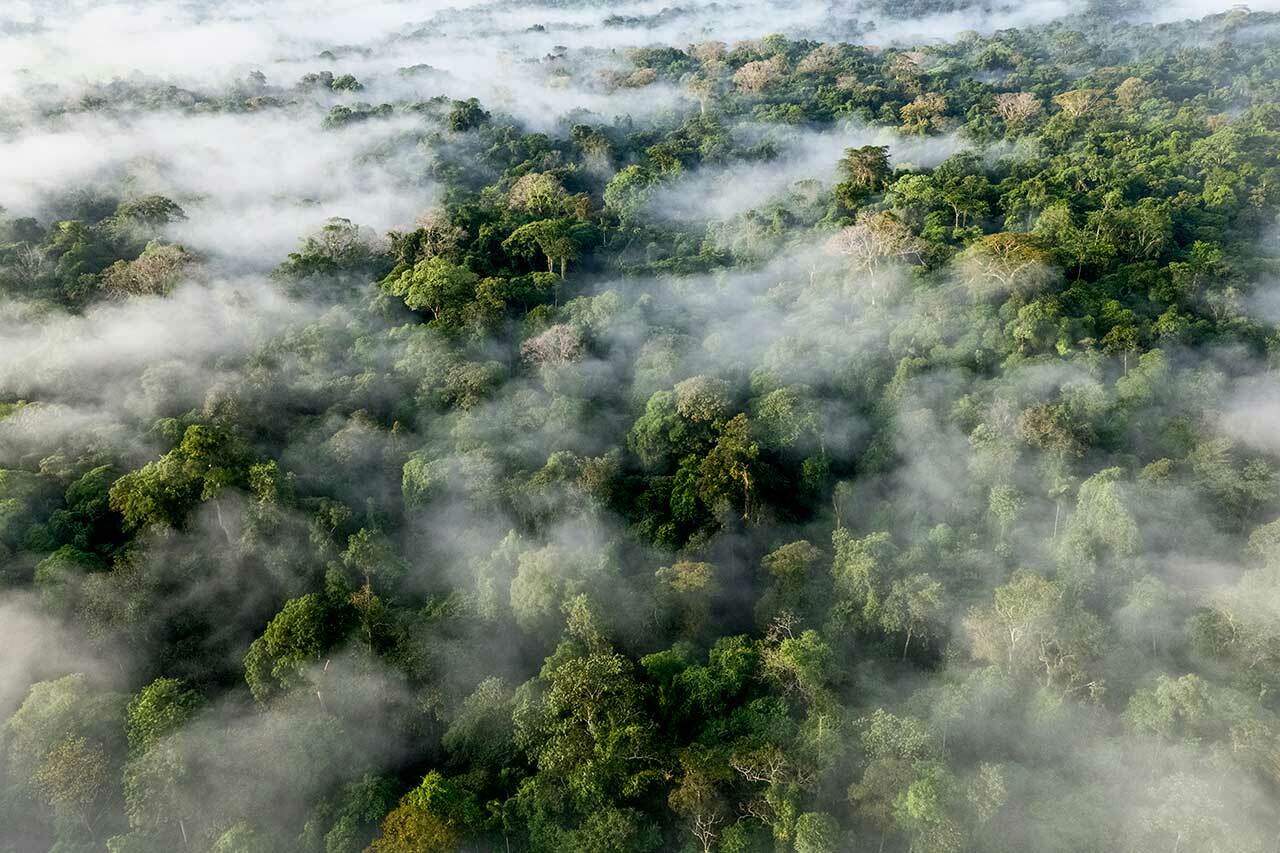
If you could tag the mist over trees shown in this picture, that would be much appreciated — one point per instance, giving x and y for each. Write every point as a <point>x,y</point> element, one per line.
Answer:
<point>564,426</point>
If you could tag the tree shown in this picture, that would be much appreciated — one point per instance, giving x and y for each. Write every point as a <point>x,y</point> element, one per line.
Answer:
<point>925,810</point>
<point>628,191</point>
<point>911,607</point>
<point>292,642</point>
<point>346,83</point>
<point>799,664</point>
<point>784,417</point>
<point>925,114</point>
<point>792,568</point>
<point>1079,103</point>
<point>1101,524</point>
<point>554,238</point>
<point>729,468</point>
<point>158,709</point>
<point>435,234</point>
<point>866,167</point>
<point>699,797</point>
<point>73,778</point>
<point>467,115</point>
<point>162,493</point>
<point>435,285</point>
<point>157,774</point>
<point>63,743</point>
<point>206,461</point>
<point>1005,263</point>
<point>863,572</point>
<point>1017,108</point>
<point>1034,627</point>
<point>707,83</point>
<point>544,578</point>
<point>584,727</point>
<point>758,76</point>
<point>339,248</point>
<point>348,821</point>
<point>1175,708</point>
<point>539,193</point>
<point>893,746</point>
<point>823,59</point>
<point>691,587</point>
<point>702,399</point>
<point>149,212</point>
<point>429,819</point>
<point>1121,340</point>
<point>1023,614</point>
<point>153,273</point>
<point>817,832</point>
<point>874,241</point>
<point>556,346</point>
<point>480,732</point>
<point>1072,245</point>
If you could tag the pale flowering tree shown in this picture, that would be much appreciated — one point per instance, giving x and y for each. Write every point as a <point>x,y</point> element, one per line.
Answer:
<point>537,192</point>
<point>702,398</point>
<point>640,78</point>
<point>873,246</point>
<point>708,51</point>
<point>760,75</point>
<point>1015,108</point>
<point>1132,92</point>
<point>1004,263</point>
<point>875,241</point>
<point>821,60</point>
<point>926,113</point>
<point>439,235</point>
<point>908,66</point>
<point>154,272</point>
<point>31,263</point>
<point>560,344</point>
<point>1080,102</point>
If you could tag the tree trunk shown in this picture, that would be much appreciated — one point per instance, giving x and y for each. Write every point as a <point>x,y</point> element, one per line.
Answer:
<point>907,644</point>
<point>217,508</point>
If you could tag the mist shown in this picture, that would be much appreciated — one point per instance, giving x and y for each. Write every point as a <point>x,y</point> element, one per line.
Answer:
<point>717,427</point>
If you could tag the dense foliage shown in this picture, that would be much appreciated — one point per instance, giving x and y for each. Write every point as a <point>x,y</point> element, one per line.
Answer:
<point>926,501</point>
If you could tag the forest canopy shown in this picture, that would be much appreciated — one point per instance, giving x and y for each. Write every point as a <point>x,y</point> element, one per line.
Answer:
<point>567,426</point>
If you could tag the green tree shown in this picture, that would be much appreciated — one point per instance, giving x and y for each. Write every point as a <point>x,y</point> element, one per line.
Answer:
<point>436,286</point>
<point>432,818</point>
<point>729,469</point>
<point>912,607</point>
<point>555,239</point>
<point>158,709</point>
<point>292,642</point>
